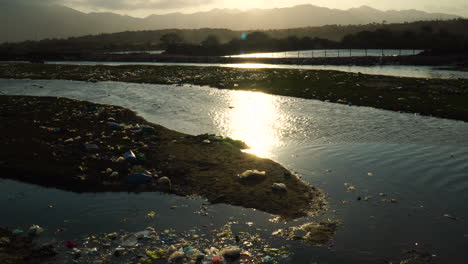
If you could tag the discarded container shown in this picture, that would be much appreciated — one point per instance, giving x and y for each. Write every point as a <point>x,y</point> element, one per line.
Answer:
<point>138,178</point>
<point>130,157</point>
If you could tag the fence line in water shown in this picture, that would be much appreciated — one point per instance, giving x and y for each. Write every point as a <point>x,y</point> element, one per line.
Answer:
<point>331,53</point>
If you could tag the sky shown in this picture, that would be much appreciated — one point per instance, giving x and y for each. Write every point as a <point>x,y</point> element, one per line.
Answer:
<point>141,8</point>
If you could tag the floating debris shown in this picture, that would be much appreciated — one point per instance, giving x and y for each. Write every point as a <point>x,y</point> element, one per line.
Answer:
<point>315,233</point>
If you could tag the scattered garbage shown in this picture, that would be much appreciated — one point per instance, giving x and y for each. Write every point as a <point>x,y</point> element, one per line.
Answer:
<point>149,246</point>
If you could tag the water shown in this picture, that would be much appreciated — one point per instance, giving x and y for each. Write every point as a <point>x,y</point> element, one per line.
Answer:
<point>321,53</point>
<point>139,51</point>
<point>421,161</point>
<point>388,70</point>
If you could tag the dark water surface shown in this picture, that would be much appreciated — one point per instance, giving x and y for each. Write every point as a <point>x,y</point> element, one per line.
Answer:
<point>420,161</point>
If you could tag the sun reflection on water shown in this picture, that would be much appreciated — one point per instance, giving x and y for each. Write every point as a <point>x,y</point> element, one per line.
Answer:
<point>254,118</point>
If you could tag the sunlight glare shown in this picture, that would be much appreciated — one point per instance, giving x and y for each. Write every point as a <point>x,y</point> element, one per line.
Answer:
<point>254,119</point>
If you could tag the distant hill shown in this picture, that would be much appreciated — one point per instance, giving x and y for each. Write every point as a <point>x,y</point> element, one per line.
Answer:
<point>19,22</point>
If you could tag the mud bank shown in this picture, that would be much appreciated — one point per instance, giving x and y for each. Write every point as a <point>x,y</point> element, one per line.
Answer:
<point>86,147</point>
<point>432,97</point>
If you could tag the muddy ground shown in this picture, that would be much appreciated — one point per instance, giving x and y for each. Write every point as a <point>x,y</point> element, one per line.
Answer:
<point>81,146</point>
<point>432,97</point>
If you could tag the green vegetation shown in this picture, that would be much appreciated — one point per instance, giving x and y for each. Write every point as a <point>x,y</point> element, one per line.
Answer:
<point>441,35</point>
<point>435,97</point>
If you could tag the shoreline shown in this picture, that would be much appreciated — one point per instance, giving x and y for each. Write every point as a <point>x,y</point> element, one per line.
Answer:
<point>459,60</point>
<point>430,97</point>
<point>86,146</point>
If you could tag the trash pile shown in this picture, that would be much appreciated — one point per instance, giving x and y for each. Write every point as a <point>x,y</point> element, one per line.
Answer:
<point>153,246</point>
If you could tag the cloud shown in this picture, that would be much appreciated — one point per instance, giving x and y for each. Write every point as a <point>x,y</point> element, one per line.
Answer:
<point>136,4</point>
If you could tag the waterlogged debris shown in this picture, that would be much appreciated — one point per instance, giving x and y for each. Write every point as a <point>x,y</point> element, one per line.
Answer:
<point>315,233</point>
<point>449,216</point>
<point>370,174</point>
<point>349,187</point>
<point>252,176</point>
<point>151,214</point>
<point>392,200</point>
<point>35,230</point>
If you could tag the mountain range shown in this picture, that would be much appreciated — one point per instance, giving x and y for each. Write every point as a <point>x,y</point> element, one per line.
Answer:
<point>20,22</point>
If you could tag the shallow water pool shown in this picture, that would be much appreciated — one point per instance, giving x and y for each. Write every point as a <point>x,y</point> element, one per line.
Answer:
<point>420,161</point>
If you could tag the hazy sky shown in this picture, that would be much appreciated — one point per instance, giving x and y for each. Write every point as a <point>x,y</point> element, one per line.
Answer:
<point>145,7</point>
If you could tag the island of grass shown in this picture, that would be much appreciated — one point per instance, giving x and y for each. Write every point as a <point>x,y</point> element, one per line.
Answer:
<point>432,97</point>
<point>86,147</point>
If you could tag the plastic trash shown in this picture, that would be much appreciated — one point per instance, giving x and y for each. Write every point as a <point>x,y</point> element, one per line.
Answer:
<point>35,230</point>
<point>151,254</point>
<point>217,260</point>
<point>138,178</point>
<point>70,244</point>
<point>267,259</point>
<point>130,157</point>
<point>129,240</point>
<point>17,231</point>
